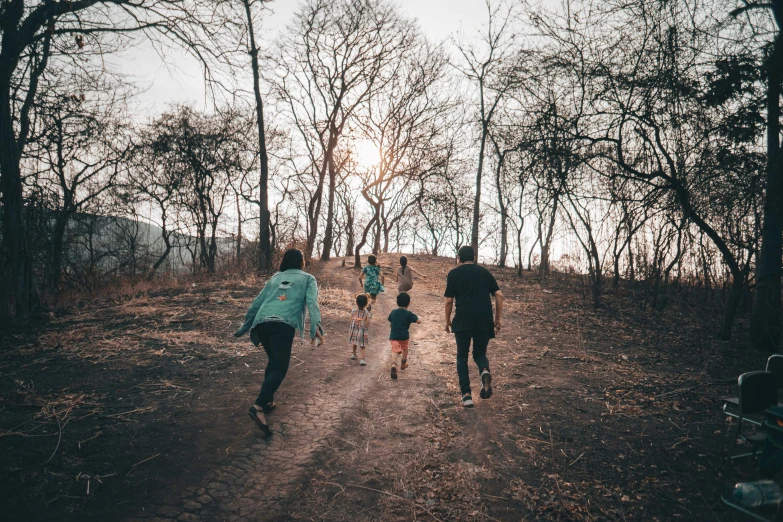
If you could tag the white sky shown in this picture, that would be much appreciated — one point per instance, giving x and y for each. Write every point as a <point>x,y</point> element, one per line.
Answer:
<point>179,80</point>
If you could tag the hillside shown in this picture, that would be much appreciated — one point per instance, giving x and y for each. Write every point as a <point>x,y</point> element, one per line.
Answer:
<point>136,410</point>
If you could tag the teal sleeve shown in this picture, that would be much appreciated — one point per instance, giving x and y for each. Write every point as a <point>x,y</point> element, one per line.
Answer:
<point>311,298</point>
<point>252,311</point>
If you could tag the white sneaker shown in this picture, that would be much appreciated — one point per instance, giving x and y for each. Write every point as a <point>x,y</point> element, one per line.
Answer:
<point>353,357</point>
<point>362,363</point>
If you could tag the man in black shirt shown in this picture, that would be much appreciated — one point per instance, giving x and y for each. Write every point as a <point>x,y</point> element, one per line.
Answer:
<point>471,286</point>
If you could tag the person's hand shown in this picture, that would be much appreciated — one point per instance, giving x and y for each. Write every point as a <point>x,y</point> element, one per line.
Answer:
<point>498,326</point>
<point>321,338</point>
<point>448,327</point>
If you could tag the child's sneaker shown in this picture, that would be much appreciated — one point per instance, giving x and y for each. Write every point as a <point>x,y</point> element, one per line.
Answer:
<point>362,363</point>
<point>394,372</point>
<point>486,385</point>
<point>467,400</point>
<point>403,365</point>
<point>353,357</point>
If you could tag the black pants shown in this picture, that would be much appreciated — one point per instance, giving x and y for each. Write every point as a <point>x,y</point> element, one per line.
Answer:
<point>277,339</point>
<point>480,342</point>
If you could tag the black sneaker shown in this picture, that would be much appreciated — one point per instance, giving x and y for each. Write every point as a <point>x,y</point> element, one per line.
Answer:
<point>486,385</point>
<point>467,400</point>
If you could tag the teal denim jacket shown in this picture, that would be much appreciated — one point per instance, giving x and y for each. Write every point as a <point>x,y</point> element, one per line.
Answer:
<point>284,298</point>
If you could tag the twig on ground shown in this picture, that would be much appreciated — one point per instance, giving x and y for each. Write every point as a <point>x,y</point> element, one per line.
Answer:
<point>59,438</point>
<point>386,493</point>
<point>142,462</point>
<point>576,459</point>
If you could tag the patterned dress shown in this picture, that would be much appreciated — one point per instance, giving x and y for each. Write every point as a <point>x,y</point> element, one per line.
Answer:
<point>372,282</point>
<point>358,334</point>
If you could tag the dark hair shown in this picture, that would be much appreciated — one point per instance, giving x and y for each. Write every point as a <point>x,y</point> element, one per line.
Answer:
<point>292,259</point>
<point>466,253</point>
<point>372,259</point>
<point>361,301</point>
<point>403,299</point>
<point>403,263</point>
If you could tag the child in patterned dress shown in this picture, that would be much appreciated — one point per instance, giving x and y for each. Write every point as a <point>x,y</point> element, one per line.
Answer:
<point>373,284</point>
<point>360,320</point>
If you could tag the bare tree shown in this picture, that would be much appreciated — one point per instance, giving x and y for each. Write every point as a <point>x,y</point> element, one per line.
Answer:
<point>492,66</point>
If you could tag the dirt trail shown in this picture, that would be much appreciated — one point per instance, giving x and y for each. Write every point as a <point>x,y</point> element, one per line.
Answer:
<point>322,385</point>
<point>606,414</point>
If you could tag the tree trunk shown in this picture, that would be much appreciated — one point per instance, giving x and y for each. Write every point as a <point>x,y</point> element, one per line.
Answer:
<point>17,249</point>
<point>349,231</point>
<point>474,233</point>
<point>56,259</point>
<point>163,256</point>
<point>547,243</point>
<point>363,241</point>
<point>765,321</point>
<point>737,284</point>
<point>326,253</point>
<point>264,245</point>
<point>239,231</point>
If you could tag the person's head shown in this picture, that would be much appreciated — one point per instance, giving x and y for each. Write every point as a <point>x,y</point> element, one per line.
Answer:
<point>466,254</point>
<point>403,300</point>
<point>403,262</point>
<point>372,259</point>
<point>293,259</point>
<point>361,301</point>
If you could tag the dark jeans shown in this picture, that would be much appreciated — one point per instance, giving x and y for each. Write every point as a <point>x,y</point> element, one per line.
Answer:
<point>276,338</point>
<point>480,342</point>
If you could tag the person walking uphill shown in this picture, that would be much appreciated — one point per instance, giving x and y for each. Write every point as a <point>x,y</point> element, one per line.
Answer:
<point>373,284</point>
<point>273,319</point>
<point>405,275</point>
<point>470,286</point>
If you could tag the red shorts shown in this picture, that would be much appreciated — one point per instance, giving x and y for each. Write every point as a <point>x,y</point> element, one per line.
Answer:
<point>399,346</point>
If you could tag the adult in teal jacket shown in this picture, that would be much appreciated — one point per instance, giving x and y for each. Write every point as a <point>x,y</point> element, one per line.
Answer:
<point>272,321</point>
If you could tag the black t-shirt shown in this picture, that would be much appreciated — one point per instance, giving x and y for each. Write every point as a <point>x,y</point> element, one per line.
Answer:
<point>471,285</point>
<point>400,320</point>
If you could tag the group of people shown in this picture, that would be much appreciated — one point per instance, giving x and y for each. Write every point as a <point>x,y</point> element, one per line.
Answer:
<point>278,312</point>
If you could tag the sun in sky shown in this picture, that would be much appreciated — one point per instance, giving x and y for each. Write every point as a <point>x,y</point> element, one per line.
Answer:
<point>367,153</point>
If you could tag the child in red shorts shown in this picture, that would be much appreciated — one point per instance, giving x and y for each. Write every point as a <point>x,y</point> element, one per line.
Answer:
<point>401,319</point>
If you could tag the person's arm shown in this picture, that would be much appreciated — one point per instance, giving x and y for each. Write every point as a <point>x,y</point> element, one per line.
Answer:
<point>449,306</point>
<point>361,278</point>
<point>418,273</point>
<point>313,310</point>
<point>449,295</point>
<point>252,311</point>
<point>498,310</point>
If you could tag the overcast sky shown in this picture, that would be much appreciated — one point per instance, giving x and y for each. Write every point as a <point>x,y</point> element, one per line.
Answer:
<point>179,80</point>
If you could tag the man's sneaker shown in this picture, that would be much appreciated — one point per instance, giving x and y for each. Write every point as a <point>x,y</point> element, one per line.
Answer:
<point>394,372</point>
<point>353,357</point>
<point>486,385</point>
<point>467,400</point>
<point>403,365</point>
<point>362,363</point>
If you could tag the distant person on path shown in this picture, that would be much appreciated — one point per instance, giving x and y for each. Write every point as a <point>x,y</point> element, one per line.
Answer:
<point>360,321</point>
<point>405,275</point>
<point>401,319</point>
<point>372,278</point>
<point>273,319</point>
<point>471,285</point>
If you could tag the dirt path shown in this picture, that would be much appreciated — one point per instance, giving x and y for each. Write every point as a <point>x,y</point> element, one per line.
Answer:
<point>323,387</point>
<point>608,414</point>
